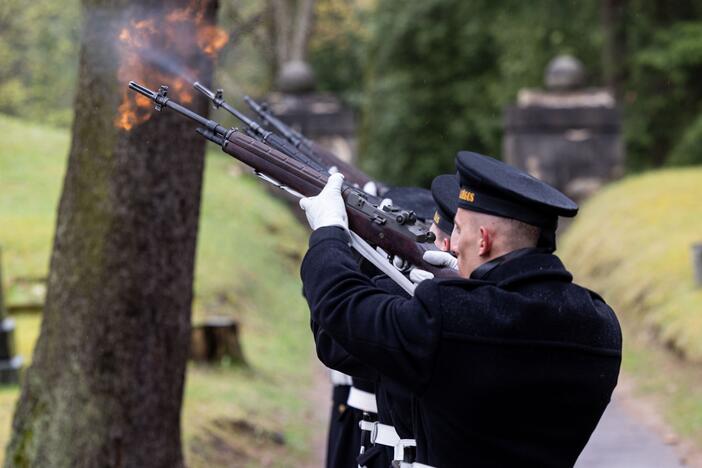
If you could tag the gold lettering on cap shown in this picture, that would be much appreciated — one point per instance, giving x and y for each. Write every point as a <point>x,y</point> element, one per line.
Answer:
<point>466,195</point>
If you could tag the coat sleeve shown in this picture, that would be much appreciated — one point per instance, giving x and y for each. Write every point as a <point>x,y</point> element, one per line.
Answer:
<point>334,356</point>
<point>393,335</point>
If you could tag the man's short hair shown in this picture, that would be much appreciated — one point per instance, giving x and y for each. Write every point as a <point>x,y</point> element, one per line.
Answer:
<point>521,234</point>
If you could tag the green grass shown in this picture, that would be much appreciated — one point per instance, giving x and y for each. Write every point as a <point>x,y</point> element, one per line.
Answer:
<point>249,249</point>
<point>632,244</point>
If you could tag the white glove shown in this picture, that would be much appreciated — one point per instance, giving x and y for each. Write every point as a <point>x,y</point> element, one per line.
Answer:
<point>417,276</point>
<point>327,208</point>
<point>371,188</point>
<point>437,258</point>
<point>401,264</point>
<point>440,259</point>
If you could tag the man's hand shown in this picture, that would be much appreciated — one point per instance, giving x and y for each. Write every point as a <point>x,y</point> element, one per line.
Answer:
<point>417,275</point>
<point>434,257</point>
<point>440,259</point>
<point>327,208</point>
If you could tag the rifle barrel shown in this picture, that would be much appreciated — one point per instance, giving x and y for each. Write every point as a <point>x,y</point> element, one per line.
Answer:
<point>162,100</point>
<point>218,101</point>
<point>133,85</point>
<point>204,90</point>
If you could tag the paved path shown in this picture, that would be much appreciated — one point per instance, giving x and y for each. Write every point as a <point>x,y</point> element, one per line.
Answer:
<point>621,441</point>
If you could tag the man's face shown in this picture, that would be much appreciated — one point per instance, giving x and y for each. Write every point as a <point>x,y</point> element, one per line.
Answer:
<point>465,242</point>
<point>441,241</point>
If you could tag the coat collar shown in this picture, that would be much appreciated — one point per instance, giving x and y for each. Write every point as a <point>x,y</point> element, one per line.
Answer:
<point>520,266</point>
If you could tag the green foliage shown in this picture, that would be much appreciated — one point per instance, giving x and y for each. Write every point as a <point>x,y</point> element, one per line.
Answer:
<point>441,71</point>
<point>244,65</point>
<point>429,77</point>
<point>337,48</point>
<point>665,97</point>
<point>38,58</point>
<point>689,149</point>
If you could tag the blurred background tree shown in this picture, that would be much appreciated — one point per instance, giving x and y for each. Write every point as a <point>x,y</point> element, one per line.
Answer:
<point>430,77</point>
<point>663,94</point>
<point>441,71</point>
<point>39,44</point>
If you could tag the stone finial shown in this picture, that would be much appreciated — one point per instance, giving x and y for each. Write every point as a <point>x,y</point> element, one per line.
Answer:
<point>564,73</point>
<point>296,77</point>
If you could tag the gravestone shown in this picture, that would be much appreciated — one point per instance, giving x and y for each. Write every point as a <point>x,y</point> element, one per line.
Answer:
<point>566,135</point>
<point>9,365</point>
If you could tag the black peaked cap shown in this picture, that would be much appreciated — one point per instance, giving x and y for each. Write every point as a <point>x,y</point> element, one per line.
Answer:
<point>493,187</point>
<point>416,199</point>
<point>444,189</point>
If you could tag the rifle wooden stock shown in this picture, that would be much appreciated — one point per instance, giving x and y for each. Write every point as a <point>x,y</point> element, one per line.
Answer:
<point>309,182</point>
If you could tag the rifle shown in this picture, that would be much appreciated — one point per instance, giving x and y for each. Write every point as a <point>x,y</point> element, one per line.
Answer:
<point>351,172</point>
<point>393,229</point>
<point>294,144</point>
<point>255,130</point>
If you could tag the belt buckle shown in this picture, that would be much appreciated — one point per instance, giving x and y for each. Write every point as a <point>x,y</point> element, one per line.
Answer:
<point>374,432</point>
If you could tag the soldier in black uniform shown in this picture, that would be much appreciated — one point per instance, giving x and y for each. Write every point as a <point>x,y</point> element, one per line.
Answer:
<point>354,397</point>
<point>512,365</point>
<point>393,412</point>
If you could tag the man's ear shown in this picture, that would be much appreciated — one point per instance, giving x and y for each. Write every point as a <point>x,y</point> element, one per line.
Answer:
<point>446,244</point>
<point>485,242</point>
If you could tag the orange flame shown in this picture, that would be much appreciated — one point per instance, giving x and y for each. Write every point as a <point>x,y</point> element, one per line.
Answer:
<point>211,39</point>
<point>155,50</point>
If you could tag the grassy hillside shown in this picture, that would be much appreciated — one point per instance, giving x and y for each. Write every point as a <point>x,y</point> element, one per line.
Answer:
<point>632,243</point>
<point>248,254</point>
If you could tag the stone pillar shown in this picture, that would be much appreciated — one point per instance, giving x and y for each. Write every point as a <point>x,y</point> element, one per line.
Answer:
<point>9,365</point>
<point>566,135</point>
<point>319,116</point>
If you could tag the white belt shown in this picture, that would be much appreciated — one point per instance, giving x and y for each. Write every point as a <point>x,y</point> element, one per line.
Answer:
<point>413,465</point>
<point>362,400</point>
<point>386,435</point>
<point>339,378</point>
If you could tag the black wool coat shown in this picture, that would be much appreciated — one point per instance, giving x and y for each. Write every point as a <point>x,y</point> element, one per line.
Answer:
<point>514,369</point>
<point>394,402</point>
<point>343,438</point>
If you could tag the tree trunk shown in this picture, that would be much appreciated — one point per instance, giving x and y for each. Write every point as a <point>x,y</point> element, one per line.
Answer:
<point>106,383</point>
<point>614,48</point>
<point>292,25</point>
